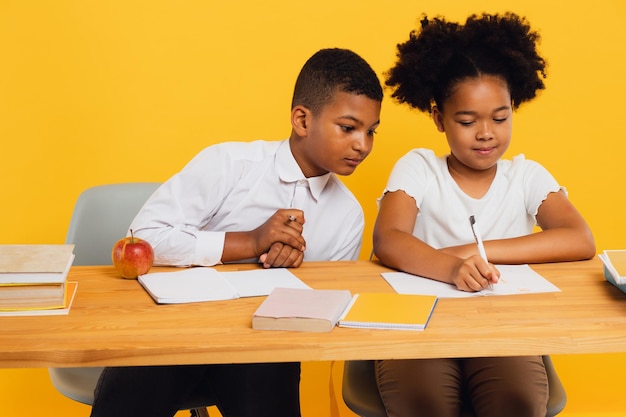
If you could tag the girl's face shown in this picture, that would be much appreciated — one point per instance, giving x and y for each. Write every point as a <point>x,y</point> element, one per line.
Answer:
<point>477,121</point>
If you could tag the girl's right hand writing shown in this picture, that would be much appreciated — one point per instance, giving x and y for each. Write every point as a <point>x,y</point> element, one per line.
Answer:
<point>474,274</point>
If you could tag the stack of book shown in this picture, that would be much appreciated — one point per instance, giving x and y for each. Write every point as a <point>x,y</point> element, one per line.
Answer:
<point>33,279</point>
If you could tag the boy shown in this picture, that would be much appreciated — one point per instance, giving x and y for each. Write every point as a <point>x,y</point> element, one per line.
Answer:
<point>248,202</point>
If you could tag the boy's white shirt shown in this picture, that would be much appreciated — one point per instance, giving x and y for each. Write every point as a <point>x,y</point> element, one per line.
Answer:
<point>237,186</point>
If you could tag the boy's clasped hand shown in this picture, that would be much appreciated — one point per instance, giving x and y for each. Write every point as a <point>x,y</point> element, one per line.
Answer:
<point>282,235</point>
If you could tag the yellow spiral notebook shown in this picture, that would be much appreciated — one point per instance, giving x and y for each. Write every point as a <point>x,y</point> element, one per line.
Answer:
<point>389,311</point>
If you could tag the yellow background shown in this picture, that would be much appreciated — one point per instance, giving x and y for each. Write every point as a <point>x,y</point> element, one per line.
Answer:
<point>105,91</point>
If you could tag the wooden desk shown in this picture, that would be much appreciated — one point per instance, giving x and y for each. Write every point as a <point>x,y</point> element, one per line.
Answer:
<point>114,322</point>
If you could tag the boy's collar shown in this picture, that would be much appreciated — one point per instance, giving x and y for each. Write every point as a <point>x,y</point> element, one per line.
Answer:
<point>289,171</point>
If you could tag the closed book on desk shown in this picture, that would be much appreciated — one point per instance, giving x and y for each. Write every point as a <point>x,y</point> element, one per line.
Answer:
<point>389,311</point>
<point>300,309</point>
<point>69,291</point>
<point>35,264</point>
<point>24,296</point>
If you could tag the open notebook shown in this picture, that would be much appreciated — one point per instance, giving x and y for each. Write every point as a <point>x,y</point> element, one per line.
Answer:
<point>199,284</point>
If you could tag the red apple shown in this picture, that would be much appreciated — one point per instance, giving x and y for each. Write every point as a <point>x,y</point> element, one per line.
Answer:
<point>132,256</point>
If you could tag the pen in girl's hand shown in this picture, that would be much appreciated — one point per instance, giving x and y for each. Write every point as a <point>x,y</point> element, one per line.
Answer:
<point>479,242</point>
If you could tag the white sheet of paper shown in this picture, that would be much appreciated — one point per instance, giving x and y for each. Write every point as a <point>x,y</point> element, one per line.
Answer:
<point>514,279</point>
<point>256,282</point>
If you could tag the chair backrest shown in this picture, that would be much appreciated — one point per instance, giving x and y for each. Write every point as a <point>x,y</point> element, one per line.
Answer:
<point>101,217</point>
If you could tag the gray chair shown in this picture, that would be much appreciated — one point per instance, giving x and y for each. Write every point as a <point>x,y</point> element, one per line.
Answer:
<point>101,216</point>
<point>360,392</point>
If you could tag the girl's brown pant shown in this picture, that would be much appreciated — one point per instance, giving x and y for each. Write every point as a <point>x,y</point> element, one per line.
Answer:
<point>491,387</point>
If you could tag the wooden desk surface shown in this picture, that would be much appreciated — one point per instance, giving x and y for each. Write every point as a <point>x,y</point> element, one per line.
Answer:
<point>115,322</point>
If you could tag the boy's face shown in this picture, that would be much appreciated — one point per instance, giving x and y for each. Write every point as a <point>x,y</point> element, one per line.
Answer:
<point>339,137</point>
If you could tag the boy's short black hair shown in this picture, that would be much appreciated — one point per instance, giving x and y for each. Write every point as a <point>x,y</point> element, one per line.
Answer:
<point>332,70</point>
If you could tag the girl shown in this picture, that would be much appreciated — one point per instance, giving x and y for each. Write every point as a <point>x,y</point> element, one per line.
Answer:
<point>471,77</point>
